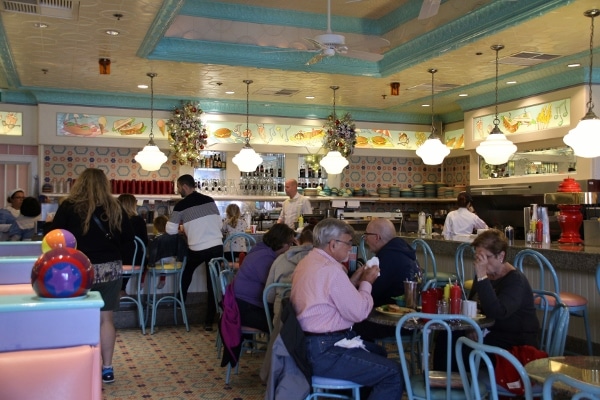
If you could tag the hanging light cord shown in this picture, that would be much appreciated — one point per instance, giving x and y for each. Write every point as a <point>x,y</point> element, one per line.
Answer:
<point>432,71</point>
<point>152,75</point>
<point>497,48</point>
<point>590,104</point>
<point>334,88</point>
<point>247,82</point>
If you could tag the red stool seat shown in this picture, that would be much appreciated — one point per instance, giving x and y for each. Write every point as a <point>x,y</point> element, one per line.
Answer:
<point>570,300</point>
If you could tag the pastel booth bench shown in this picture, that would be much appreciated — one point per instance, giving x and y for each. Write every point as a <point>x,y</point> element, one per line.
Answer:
<point>15,275</point>
<point>50,348</point>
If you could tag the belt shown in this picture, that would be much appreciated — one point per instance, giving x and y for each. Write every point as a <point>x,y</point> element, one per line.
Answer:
<point>334,333</point>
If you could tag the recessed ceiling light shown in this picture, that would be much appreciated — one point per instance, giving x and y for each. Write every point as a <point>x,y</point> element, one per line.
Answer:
<point>424,105</point>
<point>267,105</point>
<point>463,95</point>
<point>511,82</point>
<point>40,25</point>
<point>142,86</point>
<point>573,65</point>
<point>112,32</point>
<point>310,97</point>
<point>229,92</point>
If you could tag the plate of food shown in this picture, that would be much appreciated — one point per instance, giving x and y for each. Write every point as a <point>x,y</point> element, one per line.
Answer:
<point>479,316</point>
<point>393,309</point>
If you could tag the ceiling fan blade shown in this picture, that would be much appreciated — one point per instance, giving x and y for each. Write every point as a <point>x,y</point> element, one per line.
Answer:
<point>315,59</point>
<point>362,55</point>
<point>429,8</point>
<point>316,44</point>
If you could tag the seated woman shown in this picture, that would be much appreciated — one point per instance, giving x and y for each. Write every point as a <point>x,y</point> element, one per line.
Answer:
<point>249,281</point>
<point>24,226</point>
<point>234,223</point>
<point>503,293</point>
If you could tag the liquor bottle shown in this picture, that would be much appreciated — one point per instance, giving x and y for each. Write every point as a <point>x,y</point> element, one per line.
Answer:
<point>302,171</point>
<point>219,163</point>
<point>214,161</point>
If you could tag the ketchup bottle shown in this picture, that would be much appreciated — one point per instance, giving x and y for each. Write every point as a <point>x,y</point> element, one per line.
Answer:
<point>455,299</point>
<point>539,231</point>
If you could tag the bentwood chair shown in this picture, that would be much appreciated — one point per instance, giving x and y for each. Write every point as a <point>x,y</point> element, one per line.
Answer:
<point>215,266</point>
<point>548,280</point>
<point>430,384</point>
<point>471,370</point>
<point>429,264</point>
<point>247,240</point>
<point>464,256</point>
<point>135,273</point>
<point>281,290</point>
<point>585,390</point>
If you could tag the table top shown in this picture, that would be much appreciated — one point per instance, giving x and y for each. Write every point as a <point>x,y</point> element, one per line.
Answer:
<point>582,368</point>
<point>391,320</point>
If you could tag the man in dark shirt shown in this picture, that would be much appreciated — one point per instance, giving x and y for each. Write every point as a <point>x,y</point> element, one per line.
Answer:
<point>201,221</point>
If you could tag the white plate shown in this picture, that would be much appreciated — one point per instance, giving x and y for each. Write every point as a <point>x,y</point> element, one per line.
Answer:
<point>400,312</point>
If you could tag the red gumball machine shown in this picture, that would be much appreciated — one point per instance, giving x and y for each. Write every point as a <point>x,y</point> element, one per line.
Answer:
<point>569,199</point>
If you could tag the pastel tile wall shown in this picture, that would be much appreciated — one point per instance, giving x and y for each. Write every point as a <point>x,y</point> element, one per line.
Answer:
<point>372,172</point>
<point>118,163</point>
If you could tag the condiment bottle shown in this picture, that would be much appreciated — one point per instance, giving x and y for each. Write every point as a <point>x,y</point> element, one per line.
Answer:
<point>428,226</point>
<point>300,221</point>
<point>455,299</point>
<point>447,291</point>
<point>539,231</point>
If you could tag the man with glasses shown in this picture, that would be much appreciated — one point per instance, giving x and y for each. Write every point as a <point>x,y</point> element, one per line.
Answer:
<point>397,262</point>
<point>328,303</point>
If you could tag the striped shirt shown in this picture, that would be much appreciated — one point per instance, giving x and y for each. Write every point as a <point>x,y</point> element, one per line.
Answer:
<point>324,298</point>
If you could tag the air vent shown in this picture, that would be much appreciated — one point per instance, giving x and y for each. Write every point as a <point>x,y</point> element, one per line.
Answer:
<point>437,87</point>
<point>277,92</point>
<point>65,9</point>
<point>527,58</point>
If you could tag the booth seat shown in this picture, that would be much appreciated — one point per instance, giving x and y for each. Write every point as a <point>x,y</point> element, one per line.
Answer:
<point>20,288</point>
<point>70,373</point>
<point>15,275</point>
<point>25,248</point>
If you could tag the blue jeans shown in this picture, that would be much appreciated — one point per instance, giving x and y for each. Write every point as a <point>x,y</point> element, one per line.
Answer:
<point>368,368</point>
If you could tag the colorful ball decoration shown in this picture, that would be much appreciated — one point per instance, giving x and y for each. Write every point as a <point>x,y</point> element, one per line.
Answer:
<point>61,273</point>
<point>58,238</point>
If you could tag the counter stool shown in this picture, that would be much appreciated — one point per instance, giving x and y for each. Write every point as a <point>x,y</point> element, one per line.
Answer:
<point>577,304</point>
<point>428,257</point>
<point>229,240</point>
<point>167,266</point>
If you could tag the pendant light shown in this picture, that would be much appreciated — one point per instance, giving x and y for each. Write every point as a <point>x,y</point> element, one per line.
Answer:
<point>151,158</point>
<point>247,159</point>
<point>584,139</point>
<point>496,149</point>
<point>334,163</point>
<point>433,151</point>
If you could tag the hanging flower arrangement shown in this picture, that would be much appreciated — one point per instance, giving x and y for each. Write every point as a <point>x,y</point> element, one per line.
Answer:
<point>341,134</point>
<point>187,136</point>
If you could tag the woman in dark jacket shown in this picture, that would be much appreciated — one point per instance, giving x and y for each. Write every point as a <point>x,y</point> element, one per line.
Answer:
<point>103,234</point>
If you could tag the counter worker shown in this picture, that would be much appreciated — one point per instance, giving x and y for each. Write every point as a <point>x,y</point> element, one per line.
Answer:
<point>295,206</point>
<point>464,220</point>
<point>397,263</point>
<point>202,225</point>
<point>327,303</point>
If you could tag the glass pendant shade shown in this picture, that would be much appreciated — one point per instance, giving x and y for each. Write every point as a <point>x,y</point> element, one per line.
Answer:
<point>151,158</point>
<point>496,149</point>
<point>334,163</point>
<point>584,139</point>
<point>247,159</point>
<point>433,151</point>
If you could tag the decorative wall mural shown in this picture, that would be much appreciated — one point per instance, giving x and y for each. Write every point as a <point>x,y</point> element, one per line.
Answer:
<point>11,123</point>
<point>89,125</point>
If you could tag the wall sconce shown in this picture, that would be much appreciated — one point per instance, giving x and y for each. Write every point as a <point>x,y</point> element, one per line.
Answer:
<point>395,91</point>
<point>104,66</point>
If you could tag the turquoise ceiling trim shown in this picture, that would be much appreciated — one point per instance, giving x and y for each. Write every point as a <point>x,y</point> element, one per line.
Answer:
<point>257,57</point>
<point>271,16</point>
<point>18,97</point>
<point>484,21</point>
<point>7,64</point>
<point>164,17</point>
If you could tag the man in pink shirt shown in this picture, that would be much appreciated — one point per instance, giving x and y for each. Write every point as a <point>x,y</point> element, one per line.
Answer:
<point>328,303</point>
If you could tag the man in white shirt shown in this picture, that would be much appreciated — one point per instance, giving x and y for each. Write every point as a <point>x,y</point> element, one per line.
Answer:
<point>295,206</point>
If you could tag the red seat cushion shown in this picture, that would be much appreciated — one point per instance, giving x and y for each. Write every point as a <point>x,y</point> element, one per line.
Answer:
<point>570,300</point>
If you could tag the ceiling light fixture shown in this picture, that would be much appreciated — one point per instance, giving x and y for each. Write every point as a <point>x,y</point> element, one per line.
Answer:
<point>433,151</point>
<point>334,162</point>
<point>151,158</point>
<point>395,88</point>
<point>584,139</point>
<point>247,159</point>
<point>496,149</point>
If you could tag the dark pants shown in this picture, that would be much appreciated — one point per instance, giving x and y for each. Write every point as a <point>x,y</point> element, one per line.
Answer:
<point>194,259</point>
<point>253,316</point>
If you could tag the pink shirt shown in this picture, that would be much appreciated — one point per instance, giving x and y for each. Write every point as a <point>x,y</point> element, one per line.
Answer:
<point>324,298</point>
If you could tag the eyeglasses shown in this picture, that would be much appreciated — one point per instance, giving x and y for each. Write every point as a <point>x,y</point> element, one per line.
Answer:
<point>349,244</point>
<point>369,233</point>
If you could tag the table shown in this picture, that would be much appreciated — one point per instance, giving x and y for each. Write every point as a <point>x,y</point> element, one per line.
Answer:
<point>583,368</point>
<point>391,320</point>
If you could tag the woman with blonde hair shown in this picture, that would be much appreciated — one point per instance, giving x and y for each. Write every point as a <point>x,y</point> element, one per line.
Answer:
<point>103,233</point>
<point>234,223</point>
<point>129,204</point>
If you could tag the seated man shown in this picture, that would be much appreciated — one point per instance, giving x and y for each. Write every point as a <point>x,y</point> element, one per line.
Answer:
<point>397,263</point>
<point>327,303</point>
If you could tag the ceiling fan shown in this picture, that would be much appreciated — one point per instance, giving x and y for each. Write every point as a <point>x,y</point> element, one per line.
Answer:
<point>329,44</point>
<point>429,8</point>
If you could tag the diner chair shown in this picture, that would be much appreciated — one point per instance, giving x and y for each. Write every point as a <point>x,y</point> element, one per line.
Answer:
<point>170,264</point>
<point>248,345</point>
<point>585,390</point>
<point>365,253</point>
<point>419,385</point>
<point>547,275</point>
<point>135,273</point>
<point>429,264</point>
<point>463,251</point>
<point>281,290</point>
<point>475,373</point>
<point>215,265</point>
<point>248,239</point>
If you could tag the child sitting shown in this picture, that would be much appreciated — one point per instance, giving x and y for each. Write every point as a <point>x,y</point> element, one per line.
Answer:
<point>160,224</point>
<point>24,226</point>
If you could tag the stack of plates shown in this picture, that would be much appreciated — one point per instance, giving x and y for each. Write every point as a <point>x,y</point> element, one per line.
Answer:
<point>383,191</point>
<point>394,191</point>
<point>458,189</point>
<point>407,193</point>
<point>430,189</point>
<point>419,190</point>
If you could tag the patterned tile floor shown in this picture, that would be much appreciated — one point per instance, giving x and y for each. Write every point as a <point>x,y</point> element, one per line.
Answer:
<point>174,364</point>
